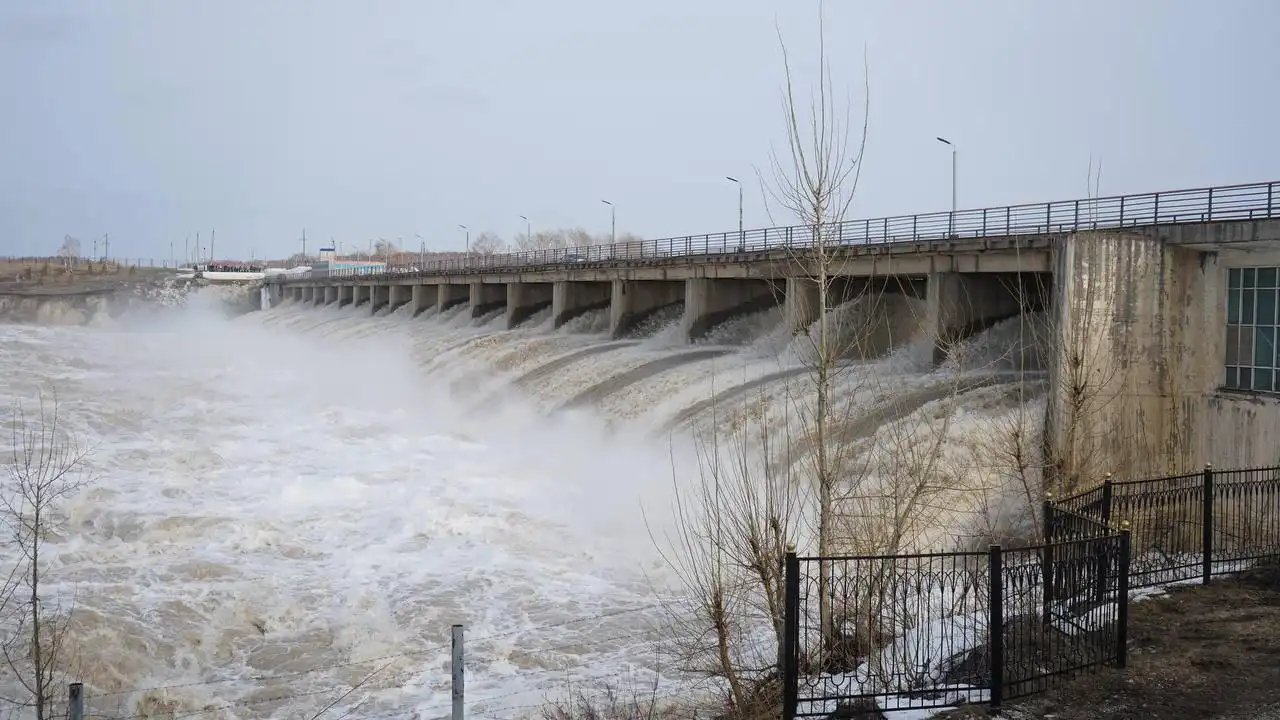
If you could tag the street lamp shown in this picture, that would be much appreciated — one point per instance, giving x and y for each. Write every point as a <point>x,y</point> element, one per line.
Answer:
<point>422,254</point>
<point>464,227</point>
<point>741,236</point>
<point>951,224</point>
<point>613,222</point>
<point>528,232</point>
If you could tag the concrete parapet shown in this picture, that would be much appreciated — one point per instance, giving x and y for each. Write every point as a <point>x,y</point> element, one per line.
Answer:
<point>708,302</point>
<point>487,297</point>
<point>631,301</point>
<point>449,295</point>
<point>570,299</point>
<point>525,299</point>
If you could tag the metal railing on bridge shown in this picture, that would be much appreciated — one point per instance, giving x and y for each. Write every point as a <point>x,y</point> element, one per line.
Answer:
<point>1212,204</point>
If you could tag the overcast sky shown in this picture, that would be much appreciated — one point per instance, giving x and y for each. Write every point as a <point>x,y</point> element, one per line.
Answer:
<point>362,119</point>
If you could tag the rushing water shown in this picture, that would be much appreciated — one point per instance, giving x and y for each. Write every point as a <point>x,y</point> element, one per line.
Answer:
<point>296,501</point>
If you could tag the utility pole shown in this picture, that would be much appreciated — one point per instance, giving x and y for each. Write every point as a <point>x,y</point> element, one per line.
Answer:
<point>95,248</point>
<point>613,222</point>
<point>171,254</point>
<point>212,236</point>
<point>468,232</point>
<point>304,245</point>
<point>106,252</point>
<point>528,232</point>
<point>186,250</point>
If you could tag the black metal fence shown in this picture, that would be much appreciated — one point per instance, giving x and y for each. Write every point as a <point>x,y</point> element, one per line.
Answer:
<point>1192,526</point>
<point>934,630</point>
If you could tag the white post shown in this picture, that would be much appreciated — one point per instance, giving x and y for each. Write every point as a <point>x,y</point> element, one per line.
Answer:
<point>456,667</point>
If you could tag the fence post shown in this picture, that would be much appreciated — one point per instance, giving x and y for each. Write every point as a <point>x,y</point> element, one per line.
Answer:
<point>790,633</point>
<point>1207,523</point>
<point>1046,560</point>
<point>75,701</point>
<point>1122,598</point>
<point>1106,500</point>
<point>995,623</point>
<point>456,672</point>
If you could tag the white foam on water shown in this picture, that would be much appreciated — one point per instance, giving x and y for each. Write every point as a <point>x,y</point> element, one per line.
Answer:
<point>270,502</point>
<point>312,487</point>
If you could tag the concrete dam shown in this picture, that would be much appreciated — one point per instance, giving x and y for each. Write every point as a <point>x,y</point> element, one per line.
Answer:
<point>1113,331</point>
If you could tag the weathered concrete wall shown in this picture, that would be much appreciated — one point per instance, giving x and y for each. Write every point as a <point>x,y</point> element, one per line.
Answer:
<point>487,297</point>
<point>449,295</point>
<point>571,299</point>
<point>525,299</point>
<point>1139,327</point>
<point>709,302</point>
<point>632,301</point>
<point>425,297</point>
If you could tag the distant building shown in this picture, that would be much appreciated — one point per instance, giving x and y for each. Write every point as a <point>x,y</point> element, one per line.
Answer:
<point>359,267</point>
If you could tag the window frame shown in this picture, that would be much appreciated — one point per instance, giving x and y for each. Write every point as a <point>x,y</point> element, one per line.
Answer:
<point>1251,342</point>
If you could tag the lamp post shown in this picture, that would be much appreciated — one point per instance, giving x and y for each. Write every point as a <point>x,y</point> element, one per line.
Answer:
<point>422,253</point>
<point>528,232</point>
<point>741,236</point>
<point>951,223</point>
<point>613,222</point>
<point>468,240</point>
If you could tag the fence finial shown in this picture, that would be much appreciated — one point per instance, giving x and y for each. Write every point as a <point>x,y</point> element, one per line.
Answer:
<point>1124,524</point>
<point>791,547</point>
<point>1108,477</point>
<point>1048,496</point>
<point>1208,466</point>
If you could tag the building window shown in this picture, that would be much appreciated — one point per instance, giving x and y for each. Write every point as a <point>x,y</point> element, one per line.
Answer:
<point>1253,327</point>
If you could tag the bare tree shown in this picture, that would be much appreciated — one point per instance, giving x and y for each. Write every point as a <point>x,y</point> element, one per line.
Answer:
<point>487,243</point>
<point>816,181</point>
<point>46,468</point>
<point>70,250</point>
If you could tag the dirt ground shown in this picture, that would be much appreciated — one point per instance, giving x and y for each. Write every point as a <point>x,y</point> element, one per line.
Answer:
<point>1198,652</point>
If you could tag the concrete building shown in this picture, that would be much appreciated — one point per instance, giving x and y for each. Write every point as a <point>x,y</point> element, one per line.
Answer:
<point>1163,323</point>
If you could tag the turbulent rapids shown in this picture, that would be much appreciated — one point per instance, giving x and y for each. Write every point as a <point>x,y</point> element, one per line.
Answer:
<point>295,501</point>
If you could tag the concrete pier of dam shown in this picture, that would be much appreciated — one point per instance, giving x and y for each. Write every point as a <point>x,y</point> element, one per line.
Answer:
<point>1155,364</point>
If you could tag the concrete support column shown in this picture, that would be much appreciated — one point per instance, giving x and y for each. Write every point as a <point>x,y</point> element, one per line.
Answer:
<point>803,303</point>
<point>708,302</point>
<point>631,301</point>
<point>327,295</point>
<point>346,295</point>
<point>525,299</point>
<point>487,297</point>
<point>424,297</point>
<point>959,305</point>
<point>359,295</point>
<point>570,299</point>
<point>450,295</point>
<point>379,295</point>
<point>397,296</point>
